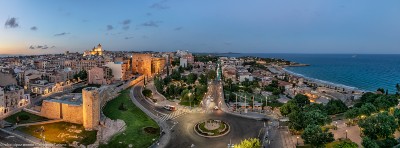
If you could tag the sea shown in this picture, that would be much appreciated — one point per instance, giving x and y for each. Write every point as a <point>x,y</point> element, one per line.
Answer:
<point>366,72</point>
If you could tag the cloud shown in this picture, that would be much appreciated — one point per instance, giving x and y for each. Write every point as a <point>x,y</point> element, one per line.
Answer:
<point>11,23</point>
<point>129,37</point>
<point>160,5</point>
<point>125,27</point>
<point>151,23</point>
<point>126,22</point>
<point>110,27</point>
<point>61,34</point>
<point>178,28</point>
<point>34,28</point>
<point>41,47</point>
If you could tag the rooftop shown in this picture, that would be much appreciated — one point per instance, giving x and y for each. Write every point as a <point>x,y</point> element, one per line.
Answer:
<point>73,99</point>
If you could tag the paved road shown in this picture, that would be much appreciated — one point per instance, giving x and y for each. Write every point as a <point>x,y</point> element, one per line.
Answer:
<point>156,110</point>
<point>183,134</point>
<point>7,140</point>
<point>181,126</point>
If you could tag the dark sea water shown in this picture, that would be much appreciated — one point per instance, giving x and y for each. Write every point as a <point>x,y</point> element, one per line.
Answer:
<point>363,71</point>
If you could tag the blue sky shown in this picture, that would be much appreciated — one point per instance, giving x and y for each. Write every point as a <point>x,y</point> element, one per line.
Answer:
<point>255,26</point>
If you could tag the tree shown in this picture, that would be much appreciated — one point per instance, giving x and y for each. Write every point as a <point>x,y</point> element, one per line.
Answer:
<point>301,100</point>
<point>211,74</point>
<point>369,143</point>
<point>203,79</point>
<point>335,106</point>
<point>346,144</point>
<point>315,106</point>
<point>398,88</point>
<point>388,142</point>
<point>81,75</point>
<point>297,119</point>
<point>396,114</point>
<point>249,143</point>
<point>176,75</point>
<point>381,126</point>
<point>191,78</point>
<point>381,90</point>
<point>316,117</point>
<point>352,113</point>
<point>288,108</point>
<point>367,109</point>
<point>314,135</point>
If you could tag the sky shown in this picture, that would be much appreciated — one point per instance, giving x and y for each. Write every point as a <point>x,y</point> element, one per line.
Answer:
<point>251,26</point>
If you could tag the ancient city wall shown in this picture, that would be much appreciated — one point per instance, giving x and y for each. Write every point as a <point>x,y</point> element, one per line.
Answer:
<point>72,113</point>
<point>50,109</point>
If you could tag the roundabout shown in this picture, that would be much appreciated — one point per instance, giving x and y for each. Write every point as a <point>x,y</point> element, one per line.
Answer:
<point>211,128</point>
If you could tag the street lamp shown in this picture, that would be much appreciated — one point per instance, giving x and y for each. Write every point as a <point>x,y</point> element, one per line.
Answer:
<point>336,125</point>
<point>346,134</point>
<point>190,101</point>
<point>297,140</point>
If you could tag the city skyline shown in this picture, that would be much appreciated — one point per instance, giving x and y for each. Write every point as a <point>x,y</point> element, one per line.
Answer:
<point>32,27</point>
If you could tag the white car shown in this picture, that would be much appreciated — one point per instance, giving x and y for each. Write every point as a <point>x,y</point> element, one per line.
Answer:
<point>216,107</point>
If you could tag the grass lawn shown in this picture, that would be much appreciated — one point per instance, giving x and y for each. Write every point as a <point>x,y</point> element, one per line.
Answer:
<point>62,133</point>
<point>136,120</point>
<point>25,117</point>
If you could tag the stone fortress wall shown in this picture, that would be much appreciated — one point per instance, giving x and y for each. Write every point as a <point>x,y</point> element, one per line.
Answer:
<point>72,113</point>
<point>89,112</point>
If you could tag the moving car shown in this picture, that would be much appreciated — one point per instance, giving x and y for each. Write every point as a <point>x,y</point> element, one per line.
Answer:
<point>170,107</point>
<point>216,107</point>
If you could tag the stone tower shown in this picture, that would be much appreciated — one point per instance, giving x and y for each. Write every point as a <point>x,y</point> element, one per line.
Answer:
<point>91,107</point>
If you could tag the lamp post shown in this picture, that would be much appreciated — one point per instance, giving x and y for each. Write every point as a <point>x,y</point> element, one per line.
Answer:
<point>190,101</point>
<point>297,140</point>
<point>336,125</point>
<point>346,134</point>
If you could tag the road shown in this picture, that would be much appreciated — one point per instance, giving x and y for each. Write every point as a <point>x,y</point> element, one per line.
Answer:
<point>181,127</point>
<point>7,140</point>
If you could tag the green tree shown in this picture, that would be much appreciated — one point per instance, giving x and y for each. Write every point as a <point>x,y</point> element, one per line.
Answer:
<point>249,143</point>
<point>369,143</point>
<point>203,79</point>
<point>211,74</point>
<point>297,119</point>
<point>398,88</point>
<point>316,117</point>
<point>191,78</point>
<point>396,114</point>
<point>314,135</point>
<point>381,90</point>
<point>388,142</point>
<point>288,108</point>
<point>381,125</point>
<point>335,106</point>
<point>367,109</point>
<point>315,106</point>
<point>346,144</point>
<point>176,75</point>
<point>352,113</point>
<point>301,100</point>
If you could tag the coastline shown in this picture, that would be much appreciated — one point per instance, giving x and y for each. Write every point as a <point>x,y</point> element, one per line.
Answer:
<point>323,82</point>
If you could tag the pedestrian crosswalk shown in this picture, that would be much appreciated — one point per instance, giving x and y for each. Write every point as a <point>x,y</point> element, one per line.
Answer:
<point>173,115</point>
